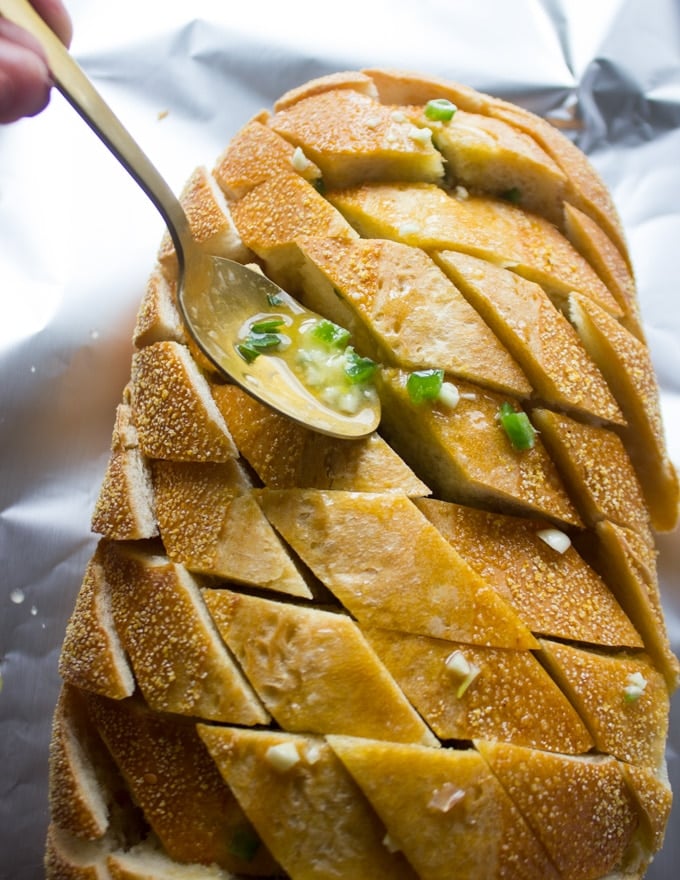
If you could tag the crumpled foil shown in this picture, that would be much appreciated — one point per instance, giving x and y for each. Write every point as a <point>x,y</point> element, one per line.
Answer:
<point>78,240</point>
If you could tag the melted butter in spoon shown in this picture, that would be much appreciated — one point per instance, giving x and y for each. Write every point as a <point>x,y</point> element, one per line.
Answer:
<point>277,350</point>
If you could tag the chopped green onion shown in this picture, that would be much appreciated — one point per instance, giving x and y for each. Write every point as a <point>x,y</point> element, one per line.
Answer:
<point>440,110</point>
<point>517,426</point>
<point>256,343</point>
<point>247,353</point>
<point>359,370</point>
<point>635,688</point>
<point>267,325</point>
<point>467,681</point>
<point>514,195</point>
<point>244,844</point>
<point>263,341</point>
<point>274,299</point>
<point>331,334</point>
<point>424,385</point>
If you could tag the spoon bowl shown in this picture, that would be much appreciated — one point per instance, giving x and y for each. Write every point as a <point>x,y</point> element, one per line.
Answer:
<point>217,297</point>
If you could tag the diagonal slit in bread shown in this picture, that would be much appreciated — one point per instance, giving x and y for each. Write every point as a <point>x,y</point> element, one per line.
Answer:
<point>435,653</point>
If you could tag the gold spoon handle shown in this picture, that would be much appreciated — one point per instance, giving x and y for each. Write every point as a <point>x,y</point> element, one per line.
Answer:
<point>86,100</point>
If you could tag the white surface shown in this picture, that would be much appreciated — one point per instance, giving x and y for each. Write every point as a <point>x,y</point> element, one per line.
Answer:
<point>78,240</point>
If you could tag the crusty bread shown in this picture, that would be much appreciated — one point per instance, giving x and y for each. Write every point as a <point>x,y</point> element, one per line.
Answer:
<point>423,655</point>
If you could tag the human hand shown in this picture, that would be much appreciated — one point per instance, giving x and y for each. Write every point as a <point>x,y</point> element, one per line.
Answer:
<point>25,80</point>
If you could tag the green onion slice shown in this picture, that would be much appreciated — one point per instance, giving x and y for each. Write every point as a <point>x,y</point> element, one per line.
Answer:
<point>517,426</point>
<point>331,334</point>
<point>266,325</point>
<point>514,195</point>
<point>263,341</point>
<point>247,352</point>
<point>424,385</point>
<point>440,110</point>
<point>274,299</point>
<point>256,343</point>
<point>244,844</point>
<point>359,370</point>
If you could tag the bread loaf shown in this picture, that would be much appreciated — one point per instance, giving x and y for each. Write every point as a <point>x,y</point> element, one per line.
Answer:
<point>437,652</point>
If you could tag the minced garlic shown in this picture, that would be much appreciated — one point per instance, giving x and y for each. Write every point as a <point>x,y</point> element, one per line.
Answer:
<point>282,756</point>
<point>635,687</point>
<point>556,539</point>
<point>459,665</point>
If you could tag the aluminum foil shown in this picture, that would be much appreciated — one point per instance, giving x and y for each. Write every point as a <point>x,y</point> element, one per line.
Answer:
<point>78,239</point>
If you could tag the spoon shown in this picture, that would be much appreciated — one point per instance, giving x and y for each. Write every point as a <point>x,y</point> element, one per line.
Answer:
<point>218,298</point>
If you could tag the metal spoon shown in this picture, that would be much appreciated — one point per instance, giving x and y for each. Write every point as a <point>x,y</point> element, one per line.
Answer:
<point>217,297</point>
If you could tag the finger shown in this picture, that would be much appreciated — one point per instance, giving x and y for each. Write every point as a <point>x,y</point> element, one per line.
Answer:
<point>24,79</point>
<point>12,33</point>
<point>56,16</point>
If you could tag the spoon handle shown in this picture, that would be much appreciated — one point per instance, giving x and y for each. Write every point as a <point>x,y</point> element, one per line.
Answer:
<point>84,98</point>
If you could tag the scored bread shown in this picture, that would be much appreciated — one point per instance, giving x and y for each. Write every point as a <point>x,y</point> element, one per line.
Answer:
<point>428,653</point>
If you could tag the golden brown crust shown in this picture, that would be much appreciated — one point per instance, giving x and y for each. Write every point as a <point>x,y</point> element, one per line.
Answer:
<point>69,859</point>
<point>628,561</point>
<point>179,660</point>
<point>621,697</point>
<point>255,154</point>
<point>492,703</point>
<point>626,364</point>
<point>173,408</point>
<point>654,798</point>
<point>175,782</point>
<point>274,213</point>
<point>314,670</point>
<point>352,137</point>
<point>401,309</point>
<point>424,215</point>
<point>449,809</point>
<point>209,221</point>
<point>158,318</point>
<point>405,87</point>
<point>586,189</point>
<point>365,547</point>
<point>281,800</point>
<point>579,807</point>
<point>537,334</point>
<point>453,448</point>
<point>77,803</point>
<point>92,657</point>
<point>555,594</point>
<point>489,155</point>
<point>211,523</point>
<point>595,464</point>
<point>124,510</point>
<point>351,79</point>
<point>286,455</point>
<point>593,244</point>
